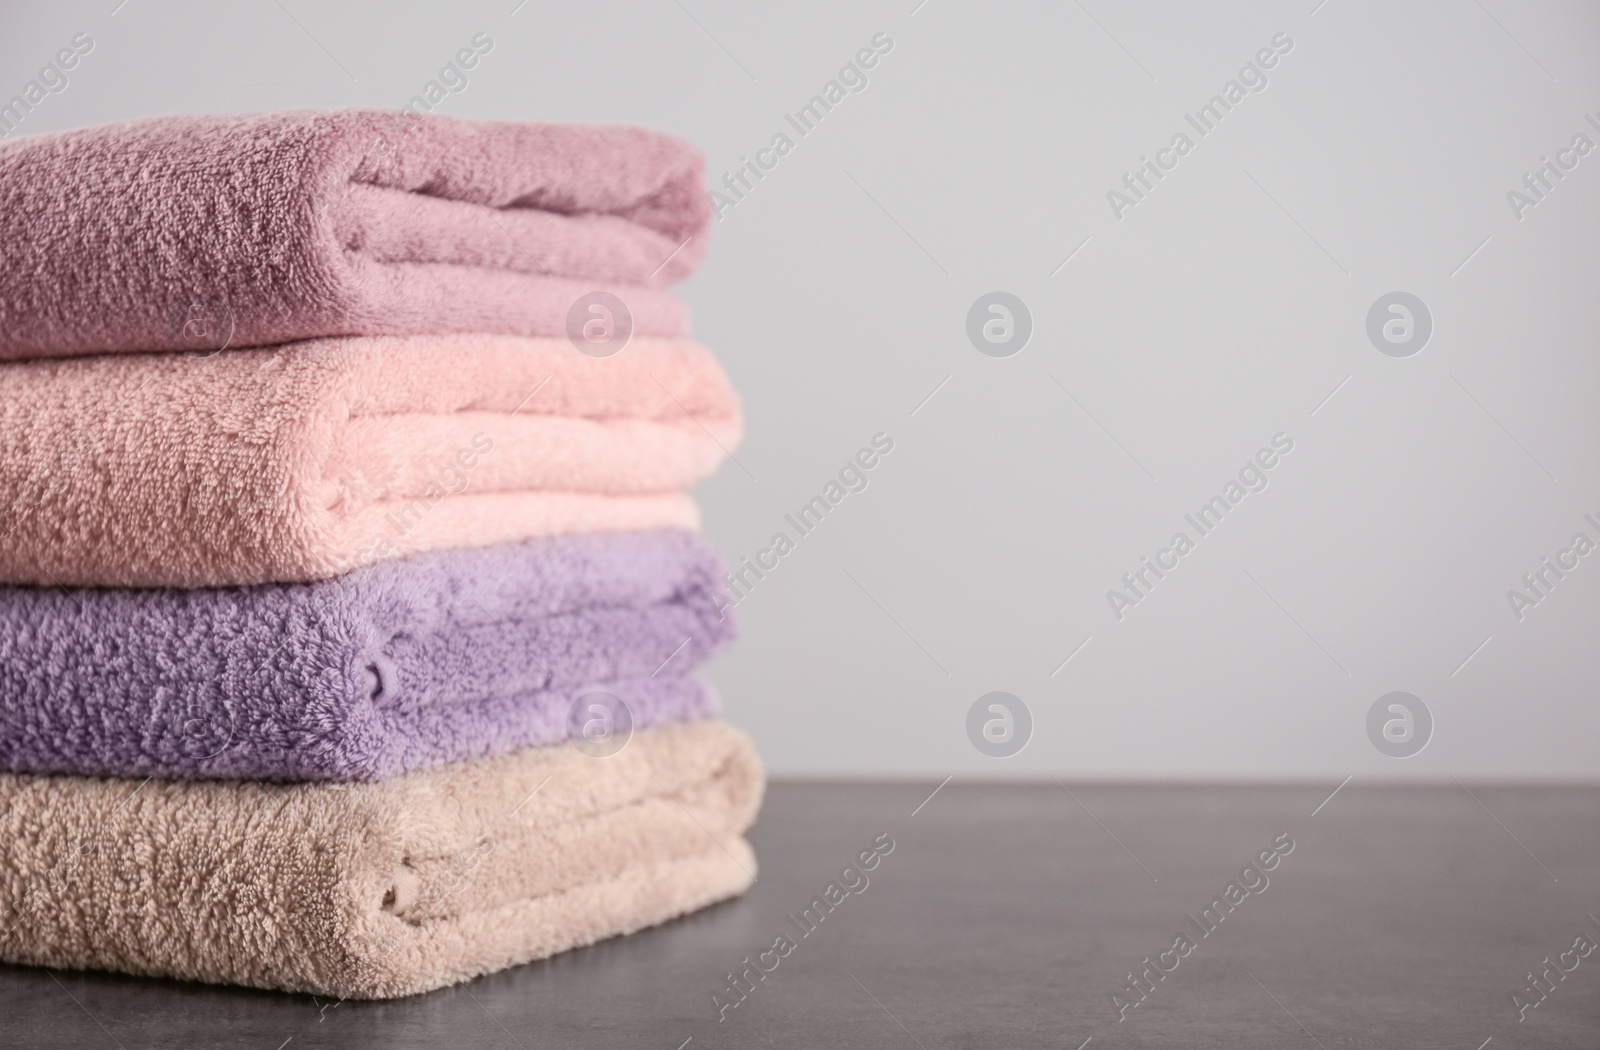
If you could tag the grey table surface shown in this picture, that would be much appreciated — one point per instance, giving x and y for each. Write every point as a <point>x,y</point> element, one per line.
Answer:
<point>1009,916</point>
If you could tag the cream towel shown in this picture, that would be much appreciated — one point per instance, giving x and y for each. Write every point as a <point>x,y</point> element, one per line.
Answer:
<point>370,891</point>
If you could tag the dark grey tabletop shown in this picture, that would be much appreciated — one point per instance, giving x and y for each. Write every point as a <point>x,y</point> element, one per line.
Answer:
<point>1010,916</point>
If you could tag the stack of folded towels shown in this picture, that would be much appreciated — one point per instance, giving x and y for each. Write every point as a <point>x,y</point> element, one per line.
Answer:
<point>350,598</point>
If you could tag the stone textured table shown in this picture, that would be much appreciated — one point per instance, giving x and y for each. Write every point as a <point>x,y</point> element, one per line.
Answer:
<point>1011,916</point>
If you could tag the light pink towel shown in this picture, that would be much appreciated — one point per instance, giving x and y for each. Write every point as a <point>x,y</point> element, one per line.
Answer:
<point>304,461</point>
<point>182,233</point>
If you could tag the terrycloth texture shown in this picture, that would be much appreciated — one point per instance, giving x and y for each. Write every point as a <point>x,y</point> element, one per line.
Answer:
<point>189,232</point>
<point>308,460</point>
<point>406,664</point>
<point>375,890</point>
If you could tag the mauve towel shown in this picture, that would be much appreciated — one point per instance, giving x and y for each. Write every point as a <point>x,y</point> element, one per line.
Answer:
<point>196,232</point>
<point>373,891</point>
<point>405,664</point>
<point>304,461</point>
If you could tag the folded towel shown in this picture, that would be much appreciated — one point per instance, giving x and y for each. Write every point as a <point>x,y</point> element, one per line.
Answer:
<point>196,232</point>
<point>375,890</point>
<point>304,461</point>
<point>405,664</point>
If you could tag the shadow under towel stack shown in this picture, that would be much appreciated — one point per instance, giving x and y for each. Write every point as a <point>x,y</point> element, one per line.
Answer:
<point>350,597</point>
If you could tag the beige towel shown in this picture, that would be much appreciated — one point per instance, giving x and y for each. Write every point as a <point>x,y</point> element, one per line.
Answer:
<point>381,889</point>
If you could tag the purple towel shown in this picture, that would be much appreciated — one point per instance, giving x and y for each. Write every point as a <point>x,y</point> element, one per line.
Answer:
<point>408,663</point>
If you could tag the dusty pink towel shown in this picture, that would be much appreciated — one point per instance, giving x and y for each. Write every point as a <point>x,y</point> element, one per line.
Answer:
<point>303,461</point>
<point>198,232</point>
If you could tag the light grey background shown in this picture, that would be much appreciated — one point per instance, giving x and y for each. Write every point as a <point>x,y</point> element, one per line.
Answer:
<point>1222,309</point>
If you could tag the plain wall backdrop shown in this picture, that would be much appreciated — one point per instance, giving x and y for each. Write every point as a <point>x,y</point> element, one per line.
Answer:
<point>1221,309</point>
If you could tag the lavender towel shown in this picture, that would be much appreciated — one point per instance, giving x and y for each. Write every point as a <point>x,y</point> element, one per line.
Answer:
<point>408,663</point>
